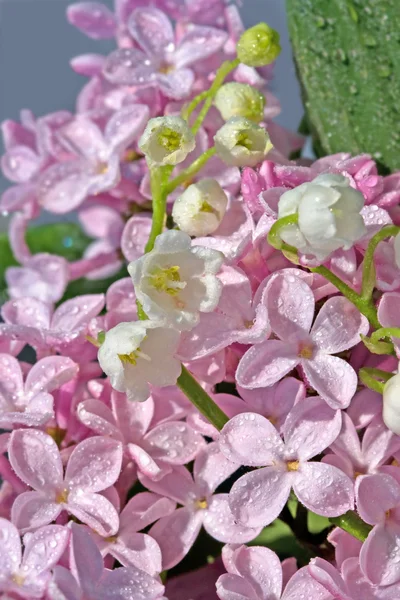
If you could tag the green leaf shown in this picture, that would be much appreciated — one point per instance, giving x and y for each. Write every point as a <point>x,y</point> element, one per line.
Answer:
<point>347,54</point>
<point>92,286</point>
<point>279,537</point>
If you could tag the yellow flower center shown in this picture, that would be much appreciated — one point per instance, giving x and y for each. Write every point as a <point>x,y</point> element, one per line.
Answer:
<point>62,496</point>
<point>292,465</point>
<point>169,139</point>
<point>167,280</point>
<point>102,168</point>
<point>306,350</point>
<point>18,579</point>
<point>244,140</point>
<point>201,504</point>
<point>132,357</point>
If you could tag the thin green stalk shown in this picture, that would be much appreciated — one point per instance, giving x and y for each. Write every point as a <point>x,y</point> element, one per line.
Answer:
<point>385,332</point>
<point>370,378</point>
<point>188,109</point>
<point>222,72</point>
<point>158,180</point>
<point>368,275</point>
<point>186,175</point>
<point>201,400</point>
<point>353,524</point>
<point>365,307</point>
<point>274,237</point>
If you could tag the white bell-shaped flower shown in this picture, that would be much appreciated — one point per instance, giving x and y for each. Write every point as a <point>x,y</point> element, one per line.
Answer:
<point>240,100</point>
<point>167,140</point>
<point>329,216</point>
<point>175,281</point>
<point>138,353</point>
<point>391,404</point>
<point>242,143</point>
<point>201,207</point>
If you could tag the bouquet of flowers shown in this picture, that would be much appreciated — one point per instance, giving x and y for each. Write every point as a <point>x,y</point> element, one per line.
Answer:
<point>199,396</point>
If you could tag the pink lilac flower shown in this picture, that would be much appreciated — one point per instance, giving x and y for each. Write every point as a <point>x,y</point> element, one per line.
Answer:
<point>388,314</point>
<point>356,457</point>
<point>257,574</point>
<point>94,466</point>
<point>195,585</point>
<point>163,59</point>
<point>64,330</point>
<point>120,303</point>
<point>27,574</point>
<point>43,276</point>
<point>64,186</point>
<point>337,327</point>
<point>200,506</point>
<point>257,498</point>
<point>154,447</point>
<point>135,549</point>
<point>378,503</point>
<point>30,403</point>
<point>89,580</point>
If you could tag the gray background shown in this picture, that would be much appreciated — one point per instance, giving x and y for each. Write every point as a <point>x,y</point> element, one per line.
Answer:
<point>37,42</point>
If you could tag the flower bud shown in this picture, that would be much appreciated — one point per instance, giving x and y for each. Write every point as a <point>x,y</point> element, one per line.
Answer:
<point>258,46</point>
<point>391,404</point>
<point>329,216</point>
<point>200,209</point>
<point>240,100</point>
<point>167,140</point>
<point>242,143</point>
<point>397,249</point>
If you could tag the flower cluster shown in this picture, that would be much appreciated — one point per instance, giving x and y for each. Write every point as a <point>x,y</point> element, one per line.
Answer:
<point>233,366</point>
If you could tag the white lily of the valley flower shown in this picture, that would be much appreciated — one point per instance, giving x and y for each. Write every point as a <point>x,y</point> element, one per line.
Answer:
<point>167,140</point>
<point>391,404</point>
<point>175,281</point>
<point>138,353</point>
<point>397,249</point>
<point>329,215</point>
<point>240,100</point>
<point>242,143</point>
<point>201,207</point>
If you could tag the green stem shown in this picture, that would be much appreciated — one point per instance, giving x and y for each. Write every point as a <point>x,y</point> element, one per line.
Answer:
<point>222,72</point>
<point>201,400</point>
<point>158,180</point>
<point>385,332</point>
<point>365,306</point>
<point>274,237</point>
<point>187,110</point>
<point>368,274</point>
<point>190,172</point>
<point>370,378</point>
<point>353,524</point>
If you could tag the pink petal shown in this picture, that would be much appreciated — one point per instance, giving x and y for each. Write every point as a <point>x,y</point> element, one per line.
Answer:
<point>84,138</point>
<point>257,498</point>
<point>63,585</point>
<point>211,468</point>
<point>32,510</point>
<point>177,485</point>
<point>63,187</point>
<point>94,464</point>
<point>233,587</point>
<point>176,84</point>
<point>302,585</point>
<point>44,276</point>
<point>86,562</point>
<point>27,311</point>
<point>310,427</point>
<point>16,134</point>
<point>134,236</point>
<point>346,546</point>
<point>20,164</point>
<point>128,583</point>
<point>92,18</point>
<point>329,577</point>
<point>133,418</point>
<point>44,548</point>
<point>262,568</point>
<point>290,304</point>
<point>220,523</point>
<point>11,382</point>
<point>140,551</point>
<point>35,458</point>
<point>197,44</point>
<point>88,64</point>
<point>101,222</point>
<point>125,126</point>
<point>49,374</point>
<point>324,489</point>
<point>98,417</point>
<point>365,405</point>
<point>250,439</point>
<point>10,549</point>
<point>144,462</point>
<point>77,312</point>
<point>333,378</point>
<point>128,66</point>
<point>380,554</point>
<point>174,442</point>
<point>376,494</point>
<point>186,524</point>
<point>142,510</point>
<point>95,511</point>
<point>153,31</point>
<point>265,364</point>
<point>338,326</point>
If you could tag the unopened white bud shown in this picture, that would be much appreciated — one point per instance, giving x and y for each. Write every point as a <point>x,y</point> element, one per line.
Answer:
<point>240,100</point>
<point>242,143</point>
<point>391,404</point>
<point>201,207</point>
<point>167,140</point>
